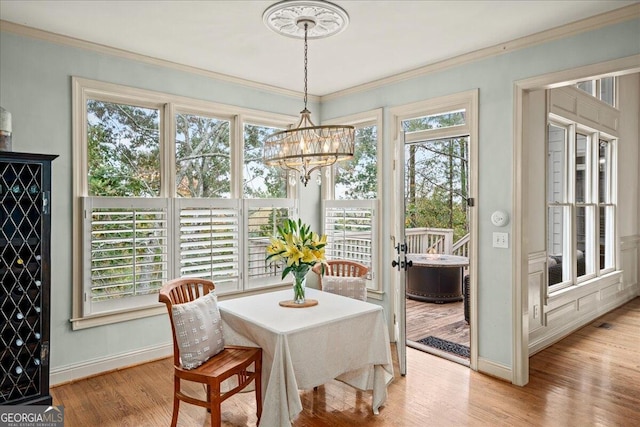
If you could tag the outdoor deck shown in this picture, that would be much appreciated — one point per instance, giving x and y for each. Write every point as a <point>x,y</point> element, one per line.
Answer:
<point>444,321</point>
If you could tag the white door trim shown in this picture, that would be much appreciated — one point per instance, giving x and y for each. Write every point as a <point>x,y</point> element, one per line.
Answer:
<point>617,67</point>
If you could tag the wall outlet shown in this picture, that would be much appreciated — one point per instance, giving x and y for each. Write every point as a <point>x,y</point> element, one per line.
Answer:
<point>500,240</point>
<point>536,311</point>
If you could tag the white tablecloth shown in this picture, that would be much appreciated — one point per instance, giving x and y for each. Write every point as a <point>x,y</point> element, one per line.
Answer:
<point>339,338</point>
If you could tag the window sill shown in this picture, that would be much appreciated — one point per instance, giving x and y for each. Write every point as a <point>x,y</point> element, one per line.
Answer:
<point>586,287</point>
<point>116,317</point>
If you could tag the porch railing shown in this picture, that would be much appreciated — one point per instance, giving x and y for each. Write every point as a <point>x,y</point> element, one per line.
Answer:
<point>357,246</point>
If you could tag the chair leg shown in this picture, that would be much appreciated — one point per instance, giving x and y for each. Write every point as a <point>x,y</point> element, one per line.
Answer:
<point>258,387</point>
<point>215,405</point>
<point>176,401</point>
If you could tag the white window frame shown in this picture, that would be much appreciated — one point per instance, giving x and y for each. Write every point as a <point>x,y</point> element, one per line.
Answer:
<point>359,253</point>
<point>88,315</point>
<point>596,89</point>
<point>363,119</point>
<point>567,115</point>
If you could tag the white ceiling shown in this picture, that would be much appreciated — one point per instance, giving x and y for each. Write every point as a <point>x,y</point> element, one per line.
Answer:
<point>382,39</point>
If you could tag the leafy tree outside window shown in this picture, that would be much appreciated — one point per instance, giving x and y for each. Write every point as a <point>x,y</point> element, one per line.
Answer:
<point>357,179</point>
<point>123,150</point>
<point>132,220</point>
<point>259,180</point>
<point>203,157</point>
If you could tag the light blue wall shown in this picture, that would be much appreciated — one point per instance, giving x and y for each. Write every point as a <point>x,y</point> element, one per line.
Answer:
<point>35,86</point>
<point>494,77</point>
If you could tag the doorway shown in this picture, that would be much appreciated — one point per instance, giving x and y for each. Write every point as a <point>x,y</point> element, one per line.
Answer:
<point>437,221</point>
<point>436,183</point>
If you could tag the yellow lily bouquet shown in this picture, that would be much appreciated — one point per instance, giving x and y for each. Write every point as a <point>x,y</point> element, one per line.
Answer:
<point>301,249</point>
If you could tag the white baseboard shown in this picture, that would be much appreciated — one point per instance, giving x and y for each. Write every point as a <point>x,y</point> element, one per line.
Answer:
<point>495,369</point>
<point>545,341</point>
<point>64,374</point>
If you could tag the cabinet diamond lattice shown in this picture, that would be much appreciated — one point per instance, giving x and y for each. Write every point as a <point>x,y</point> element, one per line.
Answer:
<point>25,189</point>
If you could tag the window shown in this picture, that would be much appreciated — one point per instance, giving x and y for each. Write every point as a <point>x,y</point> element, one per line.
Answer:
<point>260,180</point>
<point>351,198</point>
<point>352,232</point>
<point>124,149</point>
<point>202,156</point>
<point>168,189</point>
<point>357,179</point>
<point>603,89</point>
<point>580,203</point>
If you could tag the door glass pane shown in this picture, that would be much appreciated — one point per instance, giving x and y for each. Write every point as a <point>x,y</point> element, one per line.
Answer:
<point>436,189</point>
<point>123,150</point>
<point>260,180</point>
<point>556,151</point>
<point>435,121</point>
<point>582,165</point>
<point>203,157</point>
<point>357,179</point>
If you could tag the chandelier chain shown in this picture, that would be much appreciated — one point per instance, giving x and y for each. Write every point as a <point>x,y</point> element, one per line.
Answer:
<point>305,64</point>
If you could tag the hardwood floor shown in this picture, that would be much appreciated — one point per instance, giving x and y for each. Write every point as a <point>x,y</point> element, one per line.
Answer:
<point>591,378</point>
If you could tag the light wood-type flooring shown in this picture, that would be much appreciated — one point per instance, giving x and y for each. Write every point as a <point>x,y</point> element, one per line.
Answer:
<point>591,378</point>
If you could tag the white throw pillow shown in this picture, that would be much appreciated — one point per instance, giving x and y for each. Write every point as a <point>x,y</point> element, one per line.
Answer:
<point>352,287</point>
<point>198,330</point>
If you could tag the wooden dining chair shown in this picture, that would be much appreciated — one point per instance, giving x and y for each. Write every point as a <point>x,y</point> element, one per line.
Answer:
<point>231,361</point>
<point>336,269</point>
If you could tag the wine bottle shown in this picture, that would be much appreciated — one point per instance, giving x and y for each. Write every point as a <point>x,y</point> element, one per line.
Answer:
<point>17,321</point>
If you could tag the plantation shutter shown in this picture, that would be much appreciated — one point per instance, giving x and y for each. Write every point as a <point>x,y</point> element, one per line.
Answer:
<point>262,217</point>
<point>352,233</point>
<point>208,241</point>
<point>125,252</point>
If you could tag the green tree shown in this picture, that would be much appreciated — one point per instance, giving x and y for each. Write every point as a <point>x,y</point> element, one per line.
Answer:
<point>436,177</point>
<point>203,156</point>
<point>358,178</point>
<point>260,181</point>
<point>123,150</point>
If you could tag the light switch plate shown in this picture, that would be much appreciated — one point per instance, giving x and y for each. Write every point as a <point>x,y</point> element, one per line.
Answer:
<point>500,240</point>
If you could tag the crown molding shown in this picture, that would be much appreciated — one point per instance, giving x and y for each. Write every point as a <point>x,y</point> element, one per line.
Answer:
<point>584,25</point>
<point>588,24</point>
<point>35,33</point>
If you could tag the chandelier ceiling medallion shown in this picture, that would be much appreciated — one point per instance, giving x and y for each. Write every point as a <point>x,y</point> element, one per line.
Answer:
<point>307,147</point>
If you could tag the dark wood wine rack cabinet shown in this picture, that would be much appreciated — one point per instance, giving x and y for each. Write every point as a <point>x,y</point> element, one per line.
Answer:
<point>25,248</point>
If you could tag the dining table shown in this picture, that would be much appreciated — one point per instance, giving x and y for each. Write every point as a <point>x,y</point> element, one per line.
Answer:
<point>304,347</point>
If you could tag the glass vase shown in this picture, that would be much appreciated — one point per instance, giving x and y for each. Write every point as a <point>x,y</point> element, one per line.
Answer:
<point>299,287</point>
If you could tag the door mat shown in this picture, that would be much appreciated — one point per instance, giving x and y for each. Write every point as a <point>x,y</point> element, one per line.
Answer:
<point>444,345</point>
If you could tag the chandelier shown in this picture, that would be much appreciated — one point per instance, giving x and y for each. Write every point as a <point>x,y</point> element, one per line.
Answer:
<point>307,147</point>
